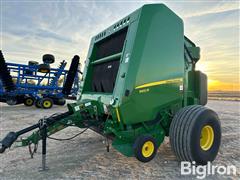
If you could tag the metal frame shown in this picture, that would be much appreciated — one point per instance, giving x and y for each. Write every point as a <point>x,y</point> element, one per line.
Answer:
<point>46,84</point>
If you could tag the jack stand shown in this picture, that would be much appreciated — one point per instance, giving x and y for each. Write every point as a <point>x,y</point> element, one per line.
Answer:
<point>43,129</point>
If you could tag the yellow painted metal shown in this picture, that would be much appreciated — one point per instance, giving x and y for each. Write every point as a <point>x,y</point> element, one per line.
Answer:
<point>147,149</point>
<point>118,116</point>
<point>47,104</point>
<point>44,70</point>
<point>207,137</point>
<point>159,83</point>
<point>29,102</point>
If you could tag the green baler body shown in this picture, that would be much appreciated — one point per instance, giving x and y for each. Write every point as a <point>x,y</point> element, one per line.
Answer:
<point>153,52</point>
<point>139,72</point>
<point>146,58</point>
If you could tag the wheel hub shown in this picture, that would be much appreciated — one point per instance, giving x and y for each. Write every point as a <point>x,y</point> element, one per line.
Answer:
<point>147,149</point>
<point>29,101</point>
<point>47,104</point>
<point>207,137</point>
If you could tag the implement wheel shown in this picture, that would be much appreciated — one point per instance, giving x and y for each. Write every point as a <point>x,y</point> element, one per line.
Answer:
<point>11,101</point>
<point>195,134</point>
<point>43,68</point>
<point>46,103</point>
<point>145,148</point>
<point>38,103</point>
<point>60,101</point>
<point>48,58</point>
<point>32,63</point>
<point>29,101</point>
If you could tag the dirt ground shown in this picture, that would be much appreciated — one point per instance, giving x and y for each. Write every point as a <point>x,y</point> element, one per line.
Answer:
<point>85,157</point>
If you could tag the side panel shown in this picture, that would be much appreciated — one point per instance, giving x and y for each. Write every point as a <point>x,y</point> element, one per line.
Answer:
<point>156,70</point>
<point>87,90</point>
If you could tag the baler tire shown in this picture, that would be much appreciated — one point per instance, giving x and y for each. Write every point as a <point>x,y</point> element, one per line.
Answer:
<point>174,128</point>
<point>28,101</point>
<point>38,103</point>
<point>195,134</point>
<point>46,103</point>
<point>145,148</point>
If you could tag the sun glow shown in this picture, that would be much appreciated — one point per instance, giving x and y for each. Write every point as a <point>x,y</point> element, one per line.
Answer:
<point>201,67</point>
<point>215,85</point>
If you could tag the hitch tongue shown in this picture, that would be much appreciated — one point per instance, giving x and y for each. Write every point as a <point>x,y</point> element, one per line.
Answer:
<point>8,141</point>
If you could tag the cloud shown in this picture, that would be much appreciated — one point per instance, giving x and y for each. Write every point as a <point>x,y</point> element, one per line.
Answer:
<point>220,7</point>
<point>64,28</point>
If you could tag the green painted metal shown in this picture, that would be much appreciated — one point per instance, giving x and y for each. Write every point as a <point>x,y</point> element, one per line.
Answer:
<point>156,78</point>
<point>108,58</point>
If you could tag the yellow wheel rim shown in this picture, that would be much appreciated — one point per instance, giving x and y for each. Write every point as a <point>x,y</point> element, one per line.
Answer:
<point>147,149</point>
<point>207,137</point>
<point>29,101</point>
<point>47,104</point>
<point>44,71</point>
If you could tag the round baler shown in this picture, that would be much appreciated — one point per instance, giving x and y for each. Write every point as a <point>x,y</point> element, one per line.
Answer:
<point>139,86</point>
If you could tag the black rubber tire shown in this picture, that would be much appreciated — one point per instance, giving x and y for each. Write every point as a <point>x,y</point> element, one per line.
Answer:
<point>138,145</point>
<point>20,99</point>
<point>71,75</point>
<point>48,58</point>
<point>29,101</point>
<point>38,103</point>
<point>44,68</point>
<point>185,134</point>
<point>11,101</point>
<point>46,103</point>
<point>32,63</point>
<point>60,101</point>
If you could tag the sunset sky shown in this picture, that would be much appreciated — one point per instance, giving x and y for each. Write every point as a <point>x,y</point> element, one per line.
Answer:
<point>64,28</point>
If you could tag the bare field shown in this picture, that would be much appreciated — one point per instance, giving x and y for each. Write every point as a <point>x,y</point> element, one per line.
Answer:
<point>85,157</point>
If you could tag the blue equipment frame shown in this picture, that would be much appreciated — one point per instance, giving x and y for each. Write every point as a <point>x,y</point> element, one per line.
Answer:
<point>45,84</point>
